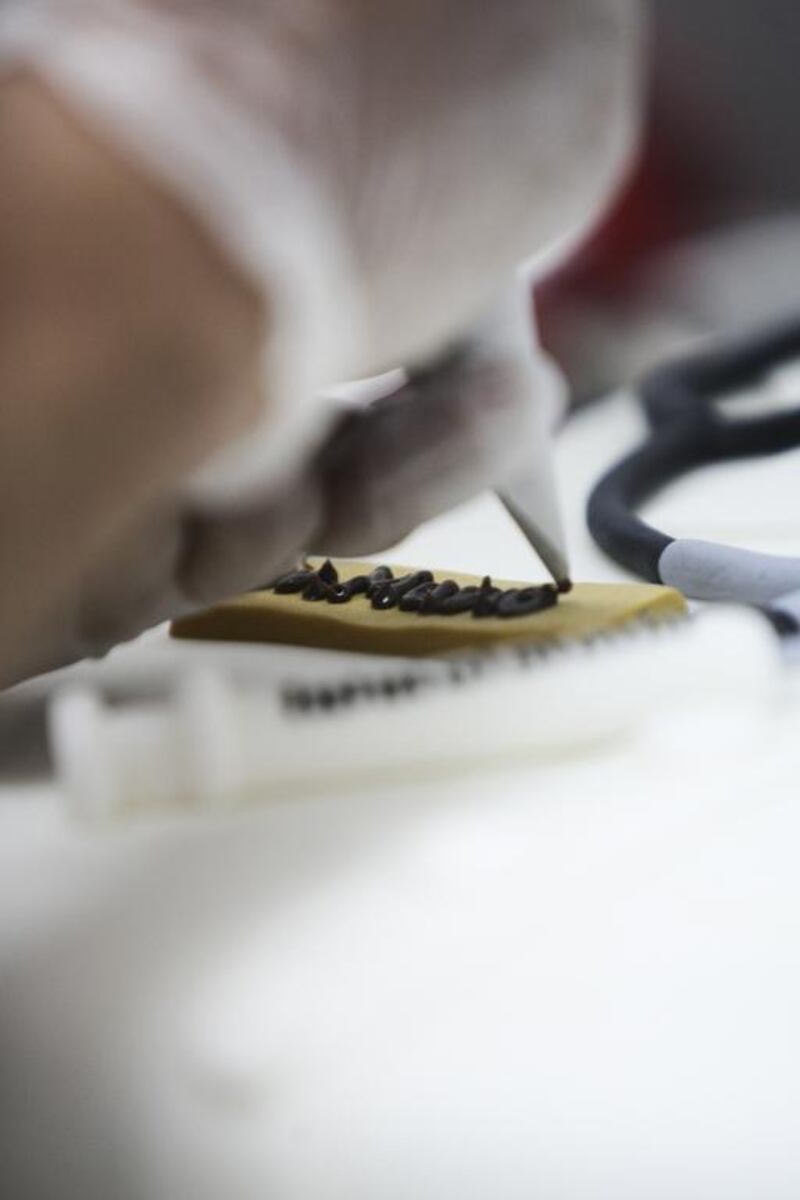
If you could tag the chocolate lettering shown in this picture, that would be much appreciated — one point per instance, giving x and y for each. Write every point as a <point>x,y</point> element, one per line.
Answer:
<point>418,592</point>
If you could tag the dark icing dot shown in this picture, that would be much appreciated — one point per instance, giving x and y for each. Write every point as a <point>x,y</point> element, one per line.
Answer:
<point>317,589</point>
<point>445,591</point>
<point>413,600</point>
<point>343,592</point>
<point>300,700</point>
<point>439,595</point>
<point>390,594</point>
<point>292,583</point>
<point>461,601</point>
<point>382,597</point>
<point>377,579</point>
<point>487,599</point>
<point>524,602</point>
<point>328,573</point>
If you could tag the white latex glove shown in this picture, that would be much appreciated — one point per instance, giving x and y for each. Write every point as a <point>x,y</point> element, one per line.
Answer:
<point>379,170</point>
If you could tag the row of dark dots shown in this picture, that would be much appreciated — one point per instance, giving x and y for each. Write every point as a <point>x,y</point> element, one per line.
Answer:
<point>302,700</point>
<point>416,593</point>
<point>299,700</point>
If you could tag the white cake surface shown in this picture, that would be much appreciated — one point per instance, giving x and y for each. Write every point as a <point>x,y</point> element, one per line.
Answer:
<point>576,979</point>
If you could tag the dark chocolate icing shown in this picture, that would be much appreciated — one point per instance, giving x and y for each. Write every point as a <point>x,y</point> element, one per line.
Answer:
<point>391,593</point>
<point>317,589</point>
<point>437,595</point>
<point>418,593</point>
<point>295,581</point>
<point>377,578</point>
<point>328,573</point>
<point>523,602</point>
<point>461,601</point>
<point>342,592</point>
<point>417,597</point>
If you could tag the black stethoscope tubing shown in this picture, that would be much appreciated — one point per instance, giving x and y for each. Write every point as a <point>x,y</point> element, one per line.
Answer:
<point>687,430</point>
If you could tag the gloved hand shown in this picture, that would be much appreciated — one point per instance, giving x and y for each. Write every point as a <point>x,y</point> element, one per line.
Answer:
<point>385,469</point>
<point>375,171</point>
